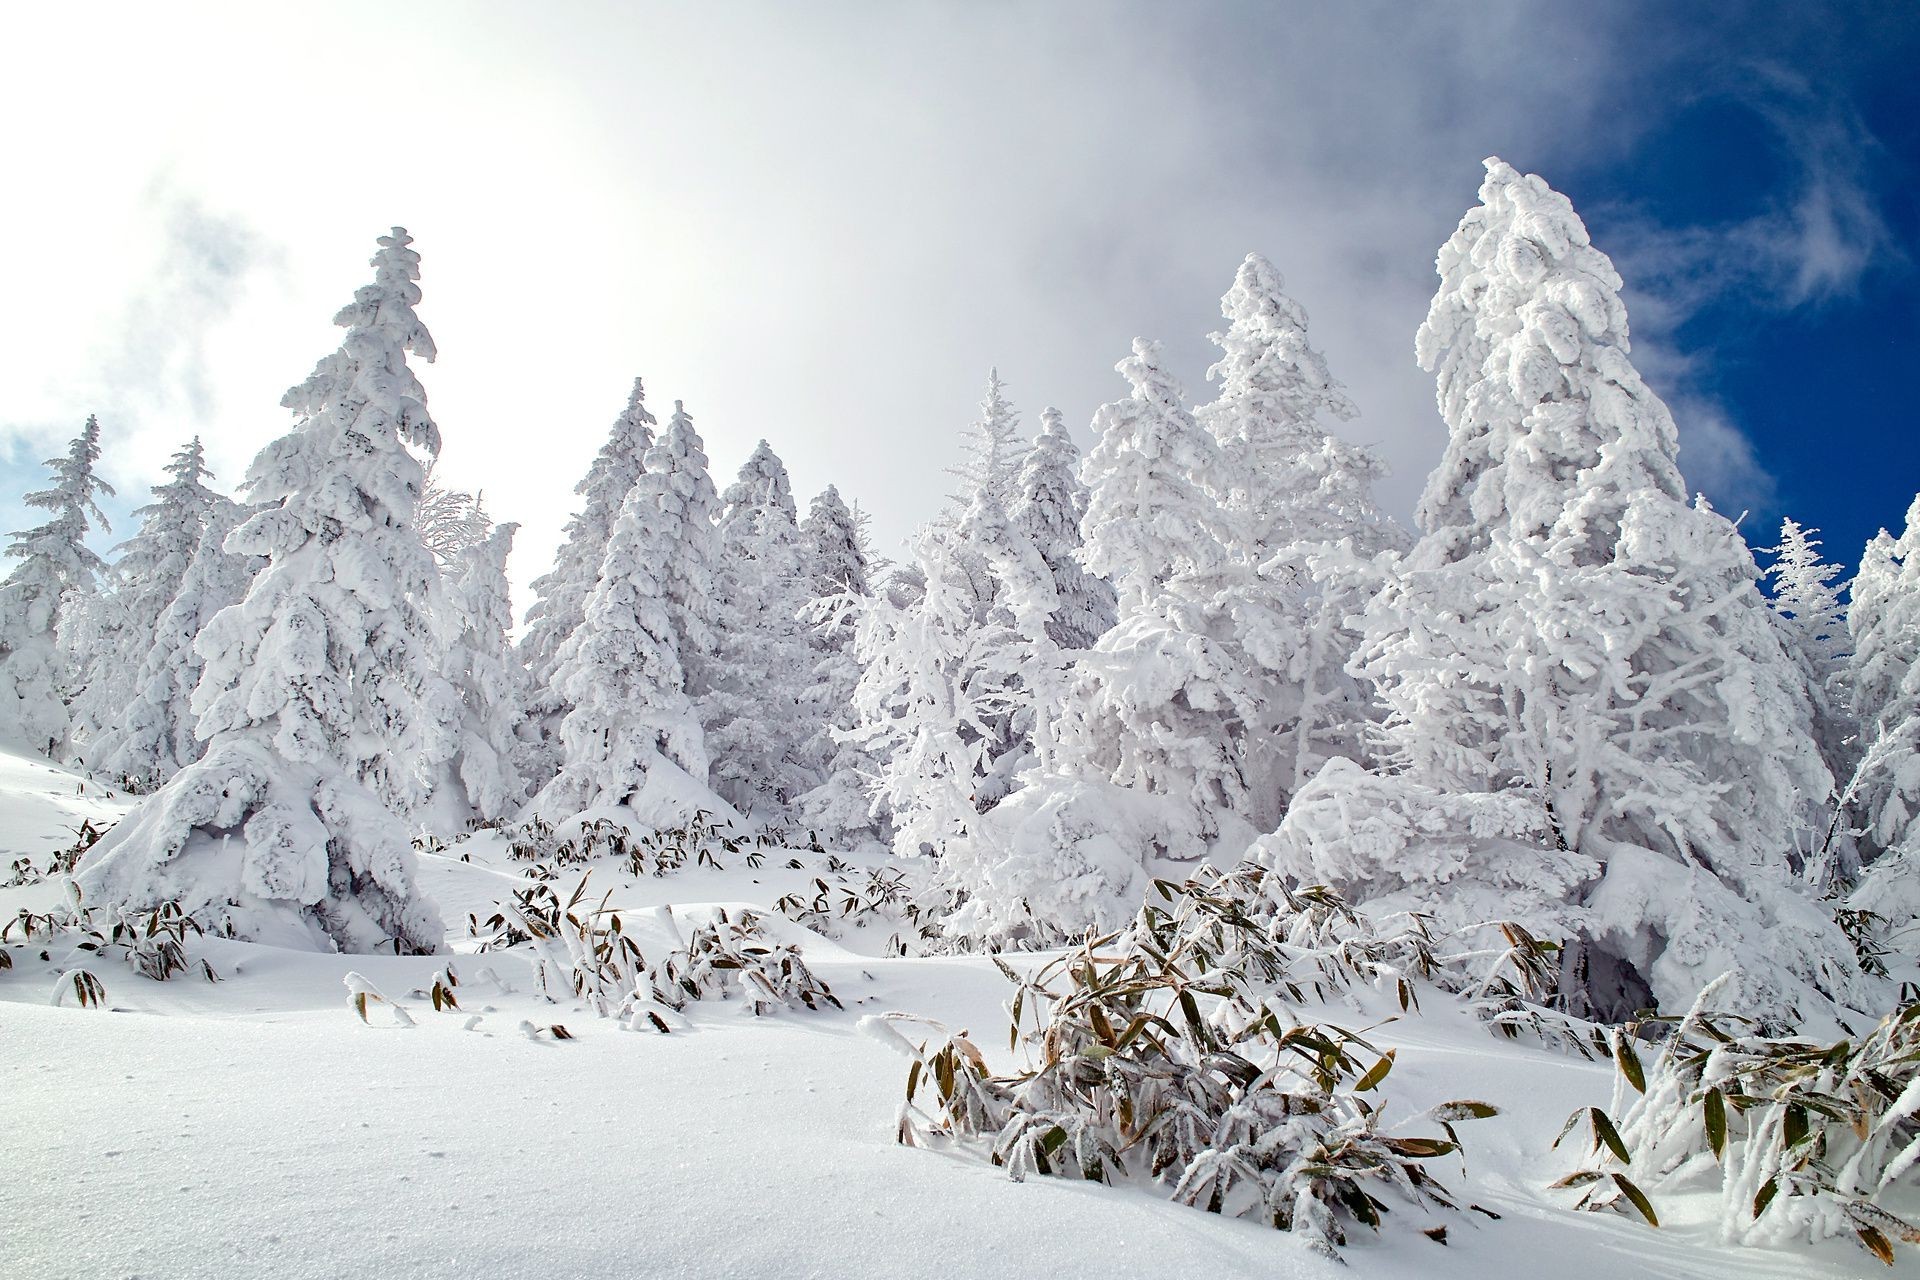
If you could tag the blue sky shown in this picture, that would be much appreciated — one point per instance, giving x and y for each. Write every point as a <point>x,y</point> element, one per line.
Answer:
<point>823,224</point>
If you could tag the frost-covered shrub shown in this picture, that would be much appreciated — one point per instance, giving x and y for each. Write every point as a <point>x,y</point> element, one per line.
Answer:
<point>583,950</point>
<point>1173,1054</point>
<point>1806,1140</point>
<point>153,943</point>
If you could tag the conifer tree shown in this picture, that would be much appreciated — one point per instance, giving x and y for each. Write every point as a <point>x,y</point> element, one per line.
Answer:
<point>325,716</point>
<point>755,710</point>
<point>991,451</point>
<point>146,578</point>
<point>1570,630</point>
<point>1051,501</point>
<point>689,569</point>
<point>155,736</point>
<point>560,595</point>
<point>835,560</point>
<point>1812,623</point>
<point>54,564</point>
<point>480,662</point>
<point>620,670</point>
<point>1885,793</point>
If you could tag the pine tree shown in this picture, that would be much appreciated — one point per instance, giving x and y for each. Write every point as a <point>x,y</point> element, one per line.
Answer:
<point>1051,501</point>
<point>1885,794</point>
<point>755,711</point>
<point>54,564</point>
<point>1569,629</point>
<point>1813,628</point>
<point>146,578</point>
<point>991,451</point>
<point>1285,478</point>
<point>451,520</point>
<point>322,706</point>
<point>475,616</point>
<point>620,670</point>
<point>835,559</point>
<point>154,738</point>
<point>689,568</point>
<point>560,595</point>
<point>1149,514</point>
<point>1163,703</point>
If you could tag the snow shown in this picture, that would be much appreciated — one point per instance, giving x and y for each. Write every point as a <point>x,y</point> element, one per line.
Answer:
<point>258,1126</point>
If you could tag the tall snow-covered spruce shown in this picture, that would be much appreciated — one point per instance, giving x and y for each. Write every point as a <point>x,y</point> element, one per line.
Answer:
<point>835,560</point>
<point>55,565</point>
<point>621,670</point>
<point>1049,503</point>
<point>755,706</point>
<point>324,713</point>
<point>146,580</point>
<point>1885,794</point>
<point>475,616</point>
<point>1570,633</point>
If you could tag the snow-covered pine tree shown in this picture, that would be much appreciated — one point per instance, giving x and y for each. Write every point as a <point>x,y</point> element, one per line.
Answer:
<point>1284,477</point>
<point>560,594</point>
<point>1298,497</point>
<point>620,671</point>
<point>55,564</point>
<point>834,559</point>
<point>1570,630</point>
<point>1049,504</point>
<point>322,705</point>
<point>450,520</point>
<point>1812,623</point>
<point>990,462</point>
<point>1162,703</point>
<point>937,686</point>
<point>146,578</point>
<point>475,615</point>
<point>1885,626</point>
<point>689,567</point>
<point>155,738</point>
<point>755,710</point>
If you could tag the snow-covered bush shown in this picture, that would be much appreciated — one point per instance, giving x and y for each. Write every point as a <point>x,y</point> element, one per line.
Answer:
<point>1173,1054</point>
<point>1806,1140</point>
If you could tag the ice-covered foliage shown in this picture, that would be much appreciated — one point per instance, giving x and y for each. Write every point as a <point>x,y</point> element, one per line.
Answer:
<point>755,709</point>
<point>1162,704</point>
<point>145,580</point>
<point>938,686</point>
<point>1885,623</point>
<point>560,594</point>
<point>1049,504</point>
<point>1805,1140</point>
<point>322,704</point>
<point>620,671</point>
<point>689,567</point>
<point>1812,623</point>
<point>450,520</point>
<point>474,616</point>
<point>835,559</point>
<point>992,449</point>
<point>54,561</point>
<point>1569,629</point>
<point>154,736</point>
<point>1149,515</point>
<point>1285,479</point>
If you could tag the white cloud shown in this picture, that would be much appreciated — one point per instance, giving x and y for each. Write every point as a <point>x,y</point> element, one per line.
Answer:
<point>816,224</point>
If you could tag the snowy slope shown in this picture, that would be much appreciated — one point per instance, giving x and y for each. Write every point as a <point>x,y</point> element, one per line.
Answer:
<point>257,1127</point>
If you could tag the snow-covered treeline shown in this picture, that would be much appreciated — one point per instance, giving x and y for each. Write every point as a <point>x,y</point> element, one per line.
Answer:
<point>1568,697</point>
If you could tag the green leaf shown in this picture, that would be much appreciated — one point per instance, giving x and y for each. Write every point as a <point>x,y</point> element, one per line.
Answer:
<point>1768,1189</point>
<point>1629,1062</point>
<point>1603,1131</point>
<point>1376,1073</point>
<point>1638,1198</point>
<point>1465,1109</point>
<point>1716,1114</point>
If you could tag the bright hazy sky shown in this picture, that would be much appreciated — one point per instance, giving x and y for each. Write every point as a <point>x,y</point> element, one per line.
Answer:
<point>822,223</point>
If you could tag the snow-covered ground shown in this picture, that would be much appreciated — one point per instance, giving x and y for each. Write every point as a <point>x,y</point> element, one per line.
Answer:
<point>257,1126</point>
